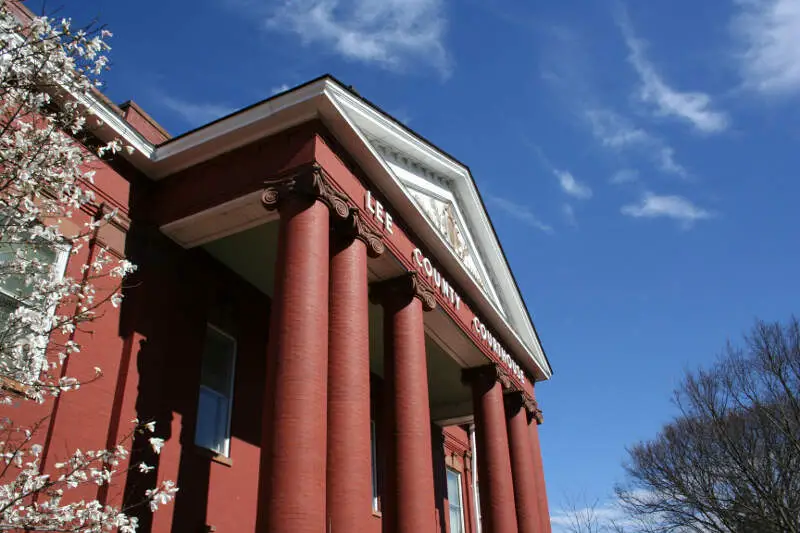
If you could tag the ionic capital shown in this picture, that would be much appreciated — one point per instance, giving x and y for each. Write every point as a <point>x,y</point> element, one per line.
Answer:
<point>401,290</point>
<point>353,227</point>
<point>517,399</point>
<point>487,375</point>
<point>310,182</point>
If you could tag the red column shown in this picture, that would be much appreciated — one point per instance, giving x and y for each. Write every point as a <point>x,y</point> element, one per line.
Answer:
<point>541,492</point>
<point>349,487</point>
<point>494,462</point>
<point>410,505</point>
<point>522,466</point>
<point>294,441</point>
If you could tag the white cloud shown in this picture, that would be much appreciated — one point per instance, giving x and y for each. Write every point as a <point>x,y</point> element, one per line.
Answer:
<point>769,36</point>
<point>193,113</point>
<point>566,180</point>
<point>569,215</point>
<point>571,186</point>
<point>626,175</point>
<point>279,89</point>
<point>694,107</point>
<point>390,33</point>
<point>669,206</point>
<point>619,133</point>
<point>521,213</point>
<point>590,517</point>
<point>667,163</point>
<point>614,131</point>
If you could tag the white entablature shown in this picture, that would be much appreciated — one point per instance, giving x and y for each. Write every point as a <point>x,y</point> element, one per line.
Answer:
<point>434,197</point>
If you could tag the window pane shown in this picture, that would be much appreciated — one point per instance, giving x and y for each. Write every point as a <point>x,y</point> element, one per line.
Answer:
<point>212,421</point>
<point>218,362</point>
<point>454,499</point>
<point>214,401</point>
<point>42,252</point>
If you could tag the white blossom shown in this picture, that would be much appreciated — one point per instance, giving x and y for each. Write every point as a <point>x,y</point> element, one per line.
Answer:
<point>156,444</point>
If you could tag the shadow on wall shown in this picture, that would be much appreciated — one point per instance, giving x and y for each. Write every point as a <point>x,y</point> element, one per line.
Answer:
<point>174,294</point>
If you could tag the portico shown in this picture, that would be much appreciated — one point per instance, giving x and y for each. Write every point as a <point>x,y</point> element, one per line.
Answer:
<point>365,280</point>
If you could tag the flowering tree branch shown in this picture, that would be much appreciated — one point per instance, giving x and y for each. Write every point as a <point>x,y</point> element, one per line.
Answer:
<point>48,160</point>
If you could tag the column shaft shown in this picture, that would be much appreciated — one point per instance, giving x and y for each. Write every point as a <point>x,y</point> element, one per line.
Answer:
<point>410,492</point>
<point>541,492</point>
<point>295,440</point>
<point>522,466</point>
<point>349,490</point>
<point>494,462</point>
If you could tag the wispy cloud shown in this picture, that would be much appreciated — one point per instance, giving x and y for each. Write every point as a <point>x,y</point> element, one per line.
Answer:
<point>571,186</point>
<point>569,215</point>
<point>521,213</point>
<point>769,36</point>
<point>694,107</point>
<point>195,113</point>
<point>279,89</point>
<point>667,206</point>
<point>566,180</point>
<point>616,132</point>
<point>389,33</point>
<point>626,175</point>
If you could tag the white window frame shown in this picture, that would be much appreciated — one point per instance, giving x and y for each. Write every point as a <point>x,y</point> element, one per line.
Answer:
<point>460,497</point>
<point>227,446</point>
<point>59,268</point>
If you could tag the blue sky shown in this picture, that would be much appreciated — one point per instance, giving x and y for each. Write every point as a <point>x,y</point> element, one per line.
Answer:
<point>639,160</point>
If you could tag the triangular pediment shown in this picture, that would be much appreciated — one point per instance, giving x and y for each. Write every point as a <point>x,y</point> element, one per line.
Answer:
<point>434,197</point>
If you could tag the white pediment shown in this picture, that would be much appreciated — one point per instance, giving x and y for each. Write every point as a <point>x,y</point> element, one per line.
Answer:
<point>434,197</point>
<point>443,191</point>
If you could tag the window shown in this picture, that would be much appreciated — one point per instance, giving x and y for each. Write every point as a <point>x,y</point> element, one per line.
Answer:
<point>375,501</point>
<point>16,293</point>
<point>454,499</point>
<point>216,392</point>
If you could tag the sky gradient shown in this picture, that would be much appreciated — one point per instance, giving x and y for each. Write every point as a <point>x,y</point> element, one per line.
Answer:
<point>639,161</point>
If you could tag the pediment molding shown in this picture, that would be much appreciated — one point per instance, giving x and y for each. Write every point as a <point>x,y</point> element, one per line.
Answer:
<point>434,195</point>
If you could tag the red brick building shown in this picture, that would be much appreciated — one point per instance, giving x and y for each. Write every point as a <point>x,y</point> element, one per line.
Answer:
<point>323,325</point>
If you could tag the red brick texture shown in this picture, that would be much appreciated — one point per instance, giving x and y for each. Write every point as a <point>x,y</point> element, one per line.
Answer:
<point>295,499</point>
<point>349,490</point>
<point>409,482</point>
<point>494,463</point>
<point>522,466</point>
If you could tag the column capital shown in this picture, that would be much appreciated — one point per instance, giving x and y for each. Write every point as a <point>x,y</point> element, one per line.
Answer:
<point>516,400</point>
<point>487,375</point>
<point>310,182</point>
<point>402,289</point>
<point>353,227</point>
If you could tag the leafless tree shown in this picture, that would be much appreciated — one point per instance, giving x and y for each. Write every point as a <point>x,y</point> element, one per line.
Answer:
<point>730,462</point>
